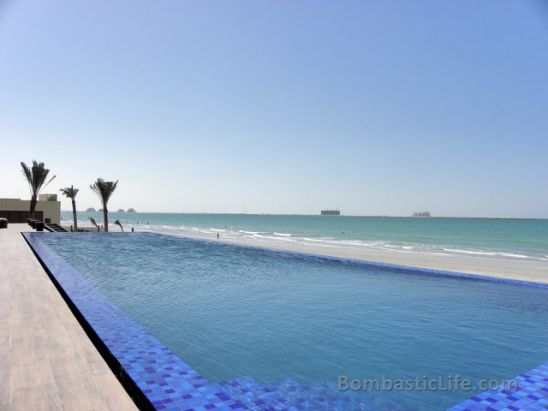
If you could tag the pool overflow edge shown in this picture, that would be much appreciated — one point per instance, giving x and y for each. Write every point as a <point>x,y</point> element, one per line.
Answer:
<point>365,263</point>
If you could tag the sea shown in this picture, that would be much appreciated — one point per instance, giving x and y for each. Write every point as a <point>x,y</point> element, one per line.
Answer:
<point>524,239</point>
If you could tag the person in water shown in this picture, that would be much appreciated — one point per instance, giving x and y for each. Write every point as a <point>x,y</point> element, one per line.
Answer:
<point>218,236</point>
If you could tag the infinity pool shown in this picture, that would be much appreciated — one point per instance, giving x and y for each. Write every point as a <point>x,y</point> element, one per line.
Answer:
<point>253,318</point>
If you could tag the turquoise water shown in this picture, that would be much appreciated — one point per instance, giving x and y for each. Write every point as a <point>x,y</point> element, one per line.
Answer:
<point>507,238</point>
<point>232,311</point>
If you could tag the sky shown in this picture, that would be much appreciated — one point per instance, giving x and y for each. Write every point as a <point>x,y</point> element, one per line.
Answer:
<point>280,106</point>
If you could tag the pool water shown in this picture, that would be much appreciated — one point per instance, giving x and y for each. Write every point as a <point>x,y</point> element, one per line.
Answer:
<point>290,320</point>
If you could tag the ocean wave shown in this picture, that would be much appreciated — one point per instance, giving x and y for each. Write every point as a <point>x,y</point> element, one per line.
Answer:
<point>251,232</point>
<point>512,255</point>
<point>357,243</point>
<point>320,245</point>
<point>269,237</point>
<point>470,252</point>
<point>485,253</point>
<point>282,234</point>
<point>318,239</point>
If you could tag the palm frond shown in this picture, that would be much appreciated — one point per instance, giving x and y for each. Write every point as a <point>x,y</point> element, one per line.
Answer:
<point>94,223</point>
<point>36,177</point>
<point>69,192</point>
<point>27,173</point>
<point>118,223</point>
<point>50,180</point>
<point>104,190</point>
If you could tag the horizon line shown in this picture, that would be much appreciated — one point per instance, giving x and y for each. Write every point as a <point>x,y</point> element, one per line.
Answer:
<point>318,215</point>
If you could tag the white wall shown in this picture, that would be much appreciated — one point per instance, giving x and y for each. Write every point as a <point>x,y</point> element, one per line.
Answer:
<point>51,209</point>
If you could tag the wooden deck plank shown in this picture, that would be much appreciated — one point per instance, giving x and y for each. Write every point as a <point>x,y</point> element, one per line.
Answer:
<point>46,359</point>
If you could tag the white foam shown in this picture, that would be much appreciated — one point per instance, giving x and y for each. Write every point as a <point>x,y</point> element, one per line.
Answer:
<point>485,253</point>
<point>282,234</point>
<point>315,240</point>
<point>512,255</point>
<point>470,252</point>
<point>268,237</point>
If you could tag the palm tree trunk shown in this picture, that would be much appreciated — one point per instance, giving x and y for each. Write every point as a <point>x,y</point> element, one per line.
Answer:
<point>32,205</point>
<point>105,218</point>
<point>74,215</point>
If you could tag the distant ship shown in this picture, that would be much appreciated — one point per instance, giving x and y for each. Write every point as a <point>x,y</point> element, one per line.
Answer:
<point>91,210</point>
<point>422,214</point>
<point>331,212</point>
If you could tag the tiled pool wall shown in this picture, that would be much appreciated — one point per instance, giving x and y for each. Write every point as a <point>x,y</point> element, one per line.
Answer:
<point>531,394</point>
<point>158,379</point>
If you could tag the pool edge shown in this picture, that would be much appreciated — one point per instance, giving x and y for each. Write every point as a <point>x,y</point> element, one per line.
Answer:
<point>134,392</point>
<point>150,389</point>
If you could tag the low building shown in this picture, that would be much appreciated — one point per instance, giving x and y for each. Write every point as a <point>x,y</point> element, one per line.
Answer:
<point>17,210</point>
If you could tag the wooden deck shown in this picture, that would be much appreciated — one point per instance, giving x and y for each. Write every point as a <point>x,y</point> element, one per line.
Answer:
<point>46,360</point>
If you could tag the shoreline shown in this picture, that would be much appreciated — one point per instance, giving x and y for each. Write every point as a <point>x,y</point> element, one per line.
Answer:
<point>498,267</point>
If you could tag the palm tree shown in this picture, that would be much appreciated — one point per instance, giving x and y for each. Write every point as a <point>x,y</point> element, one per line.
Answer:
<point>94,223</point>
<point>104,190</point>
<point>36,177</point>
<point>70,192</point>
<point>118,223</point>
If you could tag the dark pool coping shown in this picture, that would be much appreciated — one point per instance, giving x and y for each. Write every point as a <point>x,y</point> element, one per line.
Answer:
<point>154,376</point>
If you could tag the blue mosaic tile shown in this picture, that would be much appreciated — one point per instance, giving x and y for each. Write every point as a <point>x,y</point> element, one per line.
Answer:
<point>531,394</point>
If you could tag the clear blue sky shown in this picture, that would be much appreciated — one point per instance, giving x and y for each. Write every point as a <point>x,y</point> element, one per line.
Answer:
<point>281,106</point>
